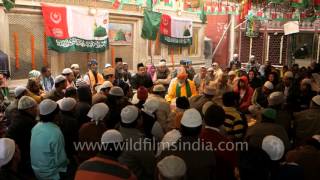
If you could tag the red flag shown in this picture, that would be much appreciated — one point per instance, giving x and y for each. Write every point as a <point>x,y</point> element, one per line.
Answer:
<point>165,25</point>
<point>116,4</point>
<point>55,19</point>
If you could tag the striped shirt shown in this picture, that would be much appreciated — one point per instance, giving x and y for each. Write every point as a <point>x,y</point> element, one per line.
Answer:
<point>235,123</point>
<point>103,167</point>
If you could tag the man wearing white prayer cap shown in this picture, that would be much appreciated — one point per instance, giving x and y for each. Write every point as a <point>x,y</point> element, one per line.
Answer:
<point>102,92</point>
<point>20,127</point>
<point>69,126</point>
<point>91,132</point>
<point>76,72</point>
<point>47,138</point>
<point>111,140</point>
<point>191,125</point>
<point>68,73</point>
<point>260,97</point>
<point>163,74</point>
<point>9,159</point>
<point>201,79</point>
<point>142,160</point>
<point>152,127</point>
<point>60,84</point>
<point>13,107</point>
<point>235,62</point>
<point>172,168</point>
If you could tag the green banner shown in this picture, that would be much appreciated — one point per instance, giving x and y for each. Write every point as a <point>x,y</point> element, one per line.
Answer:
<point>77,44</point>
<point>151,23</point>
<point>175,41</point>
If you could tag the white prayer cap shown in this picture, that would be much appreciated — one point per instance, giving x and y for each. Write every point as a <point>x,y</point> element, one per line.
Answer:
<point>157,130</point>
<point>107,65</point>
<point>172,167</point>
<point>191,118</point>
<point>169,139</point>
<point>26,102</point>
<point>59,79</point>
<point>98,112</point>
<point>7,149</point>
<point>159,88</point>
<point>81,82</point>
<point>111,136</point>
<point>306,81</point>
<point>67,71</point>
<point>162,63</point>
<point>232,73</point>
<point>75,66</point>
<point>116,91</point>
<point>288,74</point>
<point>19,90</point>
<point>268,85</point>
<point>316,137</point>
<point>106,84</point>
<point>129,114</point>
<point>151,105</point>
<point>316,99</point>
<point>276,98</point>
<point>47,106</point>
<point>203,67</point>
<point>125,63</point>
<point>273,146</point>
<point>206,106</point>
<point>210,69</point>
<point>67,104</point>
<point>34,74</point>
<point>235,55</point>
<point>252,57</point>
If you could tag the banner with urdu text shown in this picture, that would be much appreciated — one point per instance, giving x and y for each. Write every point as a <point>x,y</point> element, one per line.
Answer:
<point>73,29</point>
<point>173,30</point>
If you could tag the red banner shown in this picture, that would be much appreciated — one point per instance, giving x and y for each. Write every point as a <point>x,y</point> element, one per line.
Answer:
<point>165,25</point>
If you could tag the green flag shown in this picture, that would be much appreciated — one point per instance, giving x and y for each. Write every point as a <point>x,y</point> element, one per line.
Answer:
<point>299,3</point>
<point>8,4</point>
<point>151,24</point>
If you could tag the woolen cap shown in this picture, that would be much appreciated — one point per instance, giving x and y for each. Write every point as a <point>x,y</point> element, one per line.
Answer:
<point>19,90</point>
<point>273,146</point>
<point>7,150</point>
<point>232,73</point>
<point>142,93</point>
<point>269,113</point>
<point>159,88</point>
<point>67,104</point>
<point>129,114</point>
<point>191,118</point>
<point>111,136</point>
<point>47,106</point>
<point>116,91</point>
<point>81,82</point>
<point>59,79</point>
<point>108,71</point>
<point>26,102</point>
<point>172,167</point>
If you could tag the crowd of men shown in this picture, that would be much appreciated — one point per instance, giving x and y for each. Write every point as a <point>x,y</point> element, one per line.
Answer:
<point>71,126</point>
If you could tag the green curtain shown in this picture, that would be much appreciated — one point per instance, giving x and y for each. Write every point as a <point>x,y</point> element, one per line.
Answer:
<point>8,4</point>
<point>151,25</point>
<point>300,3</point>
